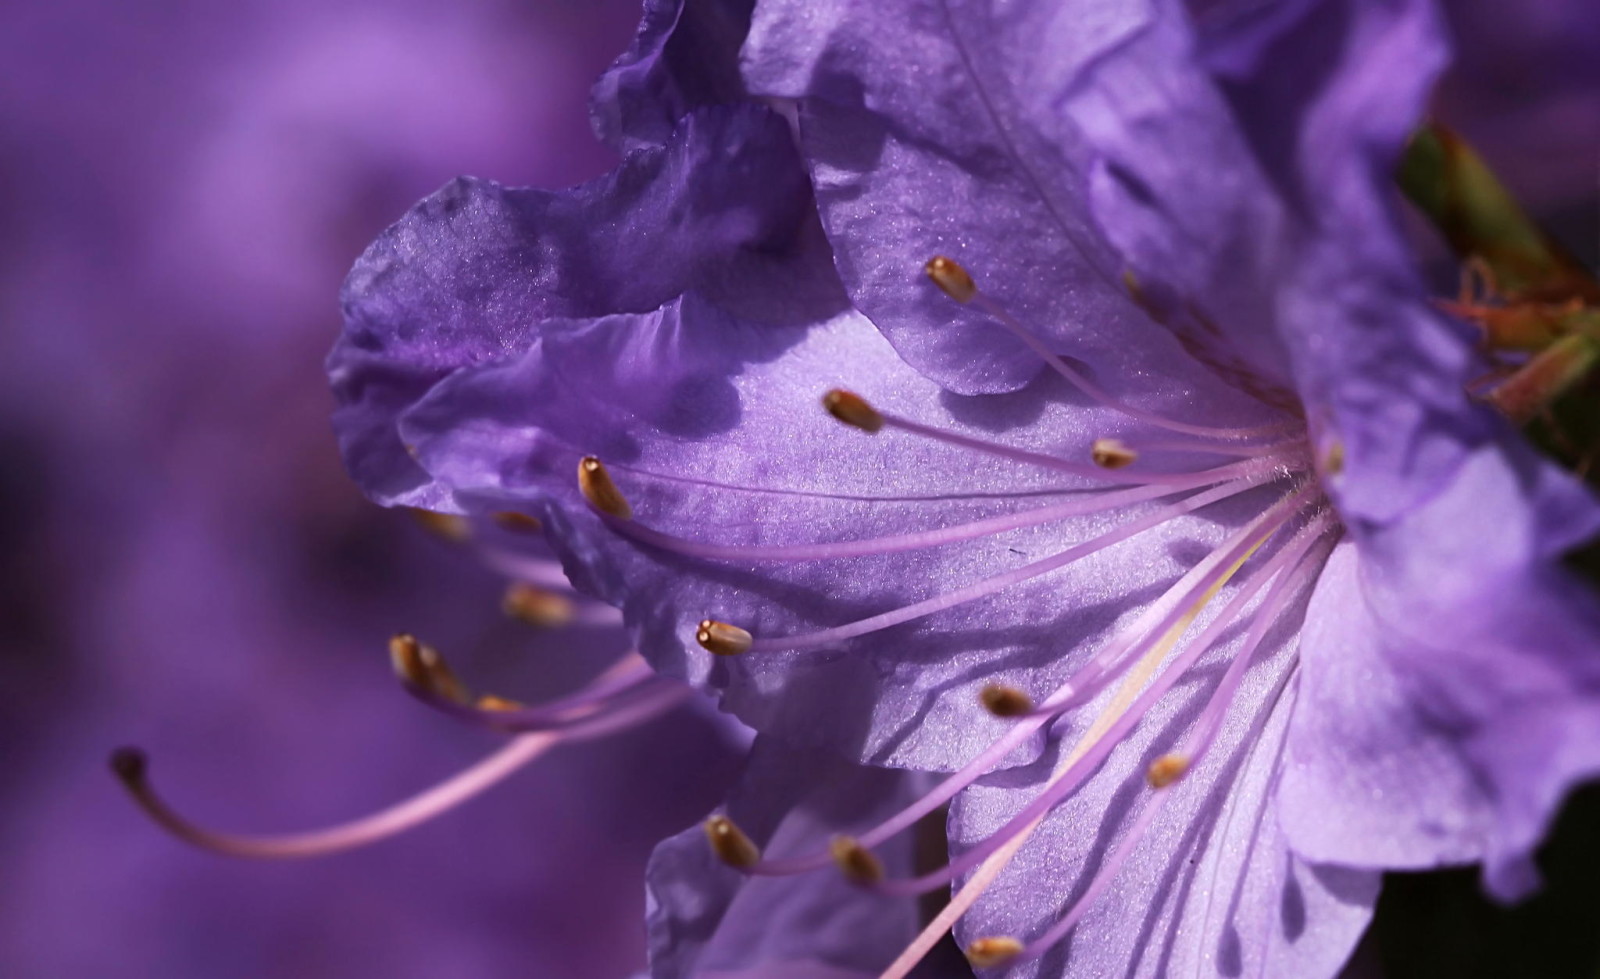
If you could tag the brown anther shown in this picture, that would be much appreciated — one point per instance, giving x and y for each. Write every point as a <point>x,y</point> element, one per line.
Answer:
<point>722,638</point>
<point>856,861</point>
<point>948,275</point>
<point>985,953</point>
<point>1112,454</point>
<point>852,409</point>
<point>519,523</point>
<point>129,764</point>
<point>421,666</point>
<point>1166,770</point>
<point>1333,458</point>
<point>730,844</point>
<point>1003,701</point>
<point>536,607</point>
<point>490,702</point>
<point>449,526</point>
<point>600,491</point>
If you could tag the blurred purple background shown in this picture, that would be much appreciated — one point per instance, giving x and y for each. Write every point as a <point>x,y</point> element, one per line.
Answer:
<point>185,565</point>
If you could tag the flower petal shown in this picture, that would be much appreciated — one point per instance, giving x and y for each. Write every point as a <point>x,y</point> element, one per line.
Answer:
<point>712,429</point>
<point>1457,673</point>
<point>467,275</point>
<point>684,56</point>
<point>930,129</point>
<point>709,920</point>
<point>1213,888</point>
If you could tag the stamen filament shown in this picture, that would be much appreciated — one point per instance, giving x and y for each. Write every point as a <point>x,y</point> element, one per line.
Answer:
<point>1199,744</point>
<point>1088,761</point>
<point>989,586</point>
<point>916,540</point>
<point>1160,625</point>
<point>130,766</point>
<point>1104,397</point>
<point>1043,460</point>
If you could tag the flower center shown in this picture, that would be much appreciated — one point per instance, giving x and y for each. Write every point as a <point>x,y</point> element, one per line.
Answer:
<point>1264,566</point>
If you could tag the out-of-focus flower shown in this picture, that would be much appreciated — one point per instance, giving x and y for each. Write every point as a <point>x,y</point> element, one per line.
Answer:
<point>184,187</point>
<point>1179,540</point>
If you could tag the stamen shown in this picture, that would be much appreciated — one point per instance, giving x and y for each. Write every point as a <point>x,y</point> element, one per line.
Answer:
<point>1091,757</point>
<point>986,953</point>
<point>1166,770</point>
<point>948,275</point>
<point>1038,458</point>
<point>856,861</point>
<point>131,767</point>
<point>536,606</point>
<point>916,540</point>
<point>1003,701</point>
<point>730,844</point>
<point>958,284</point>
<point>1148,639</point>
<point>600,491</point>
<point>721,638</point>
<point>1000,582</point>
<point>1112,454</point>
<point>1283,589</point>
<point>852,409</point>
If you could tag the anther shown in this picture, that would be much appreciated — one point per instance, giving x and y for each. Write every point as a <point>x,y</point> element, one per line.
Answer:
<point>1166,770</point>
<point>518,522</point>
<point>1333,458</point>
<point>1003,701</point>
<point>985,953</point>
<point>489,701</point>
<point>1112,454</point>
<point>730,844</point>
<point>852,409</point>
<point>722,638</point>
<point>129,764</point>
<point>421,666</point>
<point>948,275</point>
<point>600,491</point>
<point>449,526</point>
<point>858,863</point>
<point>537,607</point>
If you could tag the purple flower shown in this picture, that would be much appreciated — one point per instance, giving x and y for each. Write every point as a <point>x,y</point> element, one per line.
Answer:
<point>1169,528</point>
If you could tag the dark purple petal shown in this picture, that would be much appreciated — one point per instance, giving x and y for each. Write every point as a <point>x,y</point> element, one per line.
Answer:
<point>467,276</point>
<point>684,57</point>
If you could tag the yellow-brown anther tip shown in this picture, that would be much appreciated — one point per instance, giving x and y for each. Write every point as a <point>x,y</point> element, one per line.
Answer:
<point>730,844</point>
<point>986,953</point>
<point>1112,454</point>
<point>518,522</point>
<point>1003,701</point>
<point>449,526</point>
<point>722,638</point>
<point>856,861</point>
<point>129,764</point>
<point>948,275</point>
<point>852,409</point>
<point>1333,458</point>
<point>405,655</point>
<point>1166,770</point>
<point>490,702</point>
<point>600,491</point>
<point>537,607</point>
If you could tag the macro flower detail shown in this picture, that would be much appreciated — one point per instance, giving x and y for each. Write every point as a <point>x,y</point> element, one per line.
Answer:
<point>1138,513</point>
